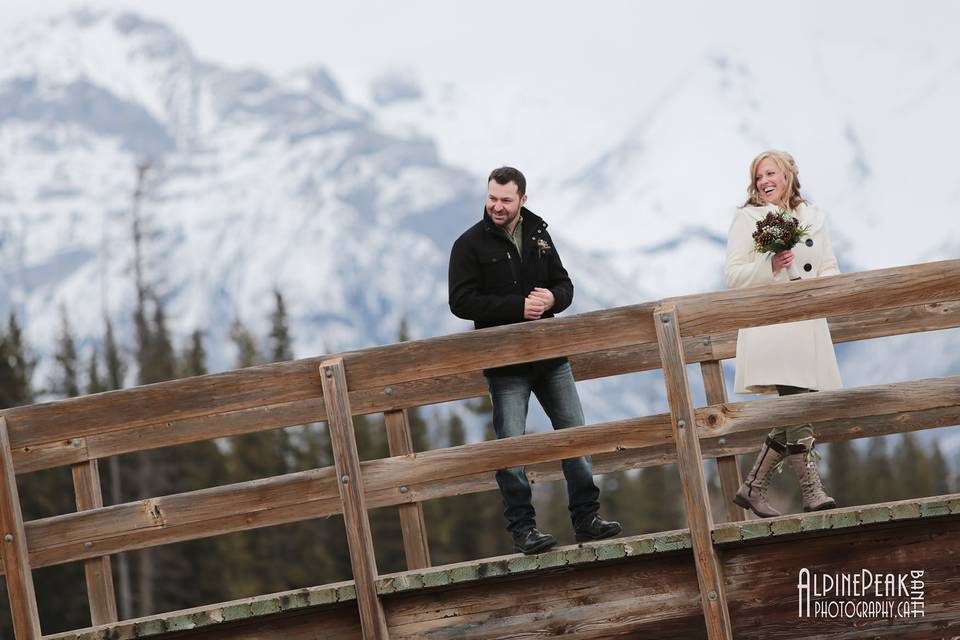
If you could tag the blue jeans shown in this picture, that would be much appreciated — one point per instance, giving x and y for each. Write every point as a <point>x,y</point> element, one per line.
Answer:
<point>556,390</point>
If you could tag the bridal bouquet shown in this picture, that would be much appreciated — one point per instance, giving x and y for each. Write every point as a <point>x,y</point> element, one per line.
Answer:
<point>777,232</point>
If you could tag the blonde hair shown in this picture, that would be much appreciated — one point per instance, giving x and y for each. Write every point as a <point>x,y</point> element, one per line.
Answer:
<point>791,177</point>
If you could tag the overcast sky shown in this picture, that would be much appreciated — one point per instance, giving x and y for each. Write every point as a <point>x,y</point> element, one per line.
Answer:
<point>561,44</point>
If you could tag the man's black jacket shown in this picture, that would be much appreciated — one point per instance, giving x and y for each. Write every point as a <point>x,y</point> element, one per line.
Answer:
<point>488,282</point>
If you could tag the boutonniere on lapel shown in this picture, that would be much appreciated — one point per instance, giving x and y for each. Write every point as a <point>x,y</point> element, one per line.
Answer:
<point>543,247</point>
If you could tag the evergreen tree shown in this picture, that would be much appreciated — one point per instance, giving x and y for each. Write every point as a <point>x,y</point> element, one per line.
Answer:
<point>844,473</point>
<point>253,456</point>
<point>281,348</point>
<point>16,367</point>
<point>116,367</point>
<point>194,359</point>
<point>163,363</point>
<point>882,486</point>
<point>939,471</point>
<point>48,492</point>
<point>113,487</point>
<point>95,382</point>
<point>248,354</point>
<point>661,499</point>
<point>912,468</point>
<point>66,383</point>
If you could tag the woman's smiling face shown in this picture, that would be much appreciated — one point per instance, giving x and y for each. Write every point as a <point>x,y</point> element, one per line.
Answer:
<point>771,183</point>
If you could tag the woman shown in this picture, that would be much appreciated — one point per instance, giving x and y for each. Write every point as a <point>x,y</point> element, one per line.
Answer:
<point>789,358</point>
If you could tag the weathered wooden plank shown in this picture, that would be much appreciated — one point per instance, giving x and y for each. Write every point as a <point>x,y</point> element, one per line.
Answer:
<point>373,368</point>
<point>16,561</point>
<point>97,571</point>
<point>818,298</point>
<point>828,406</point>
<point>638,357</point>
<point>833,519</point>
<point>655,597</point>
<point>312,494</point>
<point>399,396</point>
<point>412,526</point>
<point>660,587</point>
<point>696,499</point>
<point>748,441</point>
<point>727,467</point>
<point>222,617</point>
<point>350,483</point>
<point>763,576</point>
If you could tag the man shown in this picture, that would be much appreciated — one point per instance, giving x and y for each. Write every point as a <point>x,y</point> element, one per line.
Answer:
<point>505,270</point>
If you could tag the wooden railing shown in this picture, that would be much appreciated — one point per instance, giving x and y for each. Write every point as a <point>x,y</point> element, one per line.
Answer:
<point>392,379</point>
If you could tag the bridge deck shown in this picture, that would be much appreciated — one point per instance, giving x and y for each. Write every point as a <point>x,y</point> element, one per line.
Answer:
<point>644,586</point>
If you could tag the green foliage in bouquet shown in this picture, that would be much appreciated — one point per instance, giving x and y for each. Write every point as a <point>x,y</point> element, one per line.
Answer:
<point>777,232</point>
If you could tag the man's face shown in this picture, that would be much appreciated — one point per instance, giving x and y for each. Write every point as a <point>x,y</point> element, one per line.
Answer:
<point>503,203</point>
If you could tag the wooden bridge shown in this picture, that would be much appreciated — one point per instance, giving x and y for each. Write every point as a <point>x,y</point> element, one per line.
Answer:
<point>723,577</point>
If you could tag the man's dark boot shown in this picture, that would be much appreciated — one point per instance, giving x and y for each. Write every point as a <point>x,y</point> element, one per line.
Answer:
<point>530,541</point>
<point>596,528</point>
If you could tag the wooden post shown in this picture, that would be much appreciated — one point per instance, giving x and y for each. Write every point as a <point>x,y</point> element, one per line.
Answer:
<point>729,470</point>
<point>412,525</point>
<point>103,600</point>
<point>696,500</point>
<point>350,484</point>
<point>16,559</point>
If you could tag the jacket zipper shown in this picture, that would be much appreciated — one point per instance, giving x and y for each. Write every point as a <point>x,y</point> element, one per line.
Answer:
<point>513,269</point>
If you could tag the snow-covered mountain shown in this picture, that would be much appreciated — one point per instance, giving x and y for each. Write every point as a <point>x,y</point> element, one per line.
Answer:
<point>349,204</point>
<point>255,183</point>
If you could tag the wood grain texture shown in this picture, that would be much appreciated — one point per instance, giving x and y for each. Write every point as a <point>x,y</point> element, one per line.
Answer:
<point>696,499</point>
<point>350,484</point>
<point>433,474</point>
<point>412,526</point>
<point>115,434</point>
<point>16,561</point>
<point>637,586</point>
<point>374,368</point>
<point>864,292</point>
<point>715,389</point>
<point>830,406</point>
<point>97,571</point>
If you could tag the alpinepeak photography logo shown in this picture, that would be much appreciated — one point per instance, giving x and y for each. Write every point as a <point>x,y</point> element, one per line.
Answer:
<point>860,594</point>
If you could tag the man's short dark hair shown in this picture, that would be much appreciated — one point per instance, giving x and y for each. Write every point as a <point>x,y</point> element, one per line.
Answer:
<point>506,175</point>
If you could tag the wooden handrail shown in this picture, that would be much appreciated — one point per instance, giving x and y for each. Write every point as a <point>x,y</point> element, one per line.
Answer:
<point>700,328</point>
<point>377,368</point>
<point>133,436</point>
<point>842,414</point>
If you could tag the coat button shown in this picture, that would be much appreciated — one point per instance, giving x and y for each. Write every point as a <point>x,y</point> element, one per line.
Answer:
<point>809,242</point>
<point>808,267</point>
